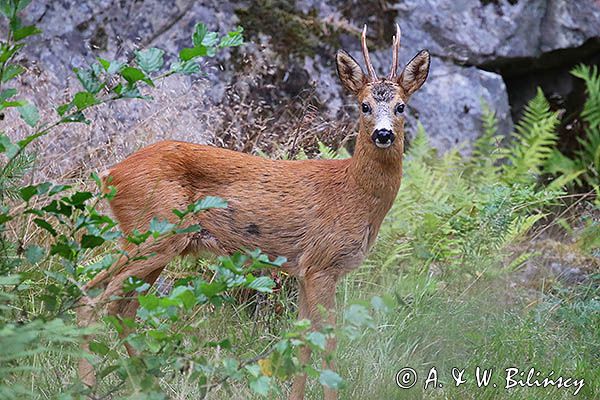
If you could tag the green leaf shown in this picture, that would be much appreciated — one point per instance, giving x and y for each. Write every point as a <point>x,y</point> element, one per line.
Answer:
<point>232,39</point>
<point>10,280</point>
<point>358,315</point>
<point>25,31</point>
<point>132,75</point>
<point>45,187</point>
<point>189,229</point>
<point>89,79</point>
<point>77,117</point>
<point>129,91</point>
<point>149,302</point>
<point>210,39</point>
<point>79,198</point>
<point>115,67</point>
<point>99,348</point>
<point>137,237</point>
<point>7,94</point>
<point>150,60</point>
<point>199,34</point>
<point>45,225</point>
<point>6,8</point>
<point>91,241</point>
<point>111,67</point>
<point>7,104</point>
<point>262,284</point>
<point>132,283</point>
<point>7,147</point>
<point>21,4</point>
<point>160,226</point>
<point>105,63</point>
<point>189,53</point>
<point>34,254</point>
<point>30,114</point>
<point>186,67</point>
<point>12,71</point>
<point>261,385</point>
<point>207,203</point>
<point>7,52</point>
<point>63,249</point>
<point>107,371</point>
<point>185,296</point>
<point>331,379</point>
<point>83,100</point>
<point>28,192</point>
<point>4,218</point>
<point>317,339</point>
<point>64,108</point>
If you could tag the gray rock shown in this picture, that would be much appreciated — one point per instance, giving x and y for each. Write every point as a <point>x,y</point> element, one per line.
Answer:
<point>449,105</point>
<point>569,24</point>
<point>470,32</point>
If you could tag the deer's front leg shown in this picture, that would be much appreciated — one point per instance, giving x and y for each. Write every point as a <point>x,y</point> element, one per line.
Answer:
<point>316,300</point>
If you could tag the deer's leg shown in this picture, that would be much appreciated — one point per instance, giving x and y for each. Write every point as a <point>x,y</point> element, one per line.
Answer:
<point>317,299</point>
<point>300,380</point>
<point>127,308</point>
<point>89,309</point>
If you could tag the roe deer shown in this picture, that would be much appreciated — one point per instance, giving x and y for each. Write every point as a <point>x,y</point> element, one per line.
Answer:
<point>322,215</point>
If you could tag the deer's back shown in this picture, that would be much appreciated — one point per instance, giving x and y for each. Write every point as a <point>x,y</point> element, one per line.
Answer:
<point>307,211</point>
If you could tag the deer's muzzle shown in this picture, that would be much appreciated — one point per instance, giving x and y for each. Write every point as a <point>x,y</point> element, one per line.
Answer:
<point>383,138</point>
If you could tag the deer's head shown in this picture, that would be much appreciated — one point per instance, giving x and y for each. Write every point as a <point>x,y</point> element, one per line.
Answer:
<point>382,100</point>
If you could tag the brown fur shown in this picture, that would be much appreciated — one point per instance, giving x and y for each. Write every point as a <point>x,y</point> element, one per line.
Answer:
<point>322,215</point>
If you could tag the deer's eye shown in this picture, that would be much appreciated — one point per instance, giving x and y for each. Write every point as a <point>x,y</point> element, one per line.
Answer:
<point>399,108</point>
<point>366,108</point>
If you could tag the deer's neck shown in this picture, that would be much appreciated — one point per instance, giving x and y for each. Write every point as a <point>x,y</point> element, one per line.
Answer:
<point>377,172</point>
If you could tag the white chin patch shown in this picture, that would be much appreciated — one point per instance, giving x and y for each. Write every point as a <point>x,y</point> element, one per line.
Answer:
<point>382,145</point>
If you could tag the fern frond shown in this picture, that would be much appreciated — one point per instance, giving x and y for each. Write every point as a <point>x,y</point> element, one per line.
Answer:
<point>419,146</point>
<point>589,154</point>
<point>301,155</point>
<point>520,225</point>
<point>326,152</point>
<point>486,147</point>
<point>591,77</point>
<point>532,143</point>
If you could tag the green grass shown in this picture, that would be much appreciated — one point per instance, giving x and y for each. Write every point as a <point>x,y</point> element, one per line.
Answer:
<point>485,322</point>
<point>435,325</point>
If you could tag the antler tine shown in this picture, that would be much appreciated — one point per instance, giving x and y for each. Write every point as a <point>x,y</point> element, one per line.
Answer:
<point>395,50</point>
<point>370,69</point>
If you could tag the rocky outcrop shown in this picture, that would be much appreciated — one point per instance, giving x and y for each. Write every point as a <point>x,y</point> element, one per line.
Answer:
<point>450,105</point>
<point>289,65</point>
<point>483,32</point>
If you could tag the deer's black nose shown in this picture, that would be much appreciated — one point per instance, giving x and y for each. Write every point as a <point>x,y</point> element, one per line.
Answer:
<point>383,138</point>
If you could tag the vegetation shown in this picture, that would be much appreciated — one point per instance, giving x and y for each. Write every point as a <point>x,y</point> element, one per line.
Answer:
<point>440,289</point>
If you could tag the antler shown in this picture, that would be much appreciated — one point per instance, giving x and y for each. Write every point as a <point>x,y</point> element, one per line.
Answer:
<point>370,69</point>
<point>395,50</point>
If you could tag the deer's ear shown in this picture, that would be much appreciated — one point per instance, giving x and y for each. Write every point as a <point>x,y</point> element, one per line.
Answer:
<point>349,71</point>
<point>415,73</point>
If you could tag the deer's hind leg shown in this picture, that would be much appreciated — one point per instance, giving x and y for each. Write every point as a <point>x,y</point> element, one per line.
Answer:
<point>147,269</point>
<point>127,309</point>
